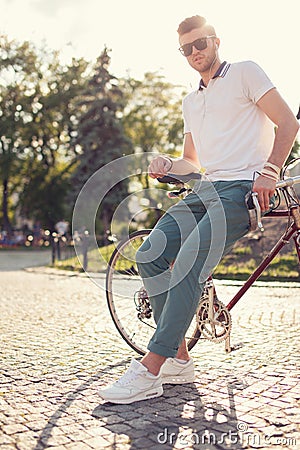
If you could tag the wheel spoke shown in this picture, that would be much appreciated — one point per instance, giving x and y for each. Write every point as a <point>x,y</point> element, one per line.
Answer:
<point>127,299</point>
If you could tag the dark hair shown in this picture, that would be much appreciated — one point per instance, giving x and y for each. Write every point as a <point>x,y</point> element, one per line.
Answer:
<point>194,22</point>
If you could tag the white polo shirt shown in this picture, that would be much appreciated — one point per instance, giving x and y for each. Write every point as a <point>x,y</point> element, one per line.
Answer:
<point>231,134</point>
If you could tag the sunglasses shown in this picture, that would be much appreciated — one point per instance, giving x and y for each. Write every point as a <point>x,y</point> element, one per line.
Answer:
<point>200,44</point>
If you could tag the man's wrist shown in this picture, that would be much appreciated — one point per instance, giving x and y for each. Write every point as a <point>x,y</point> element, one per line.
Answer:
<point>269,174</point>
<point>271,171</point>
<point>273,167</point>
<point>270,177</point>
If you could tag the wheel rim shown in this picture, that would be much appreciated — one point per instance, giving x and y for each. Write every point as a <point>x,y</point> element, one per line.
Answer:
<point>123,283</point>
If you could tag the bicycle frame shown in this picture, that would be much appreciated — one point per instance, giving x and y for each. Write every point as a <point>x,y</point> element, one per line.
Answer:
<point>292,211</point>
<point>213,319</point>
<point>292,231</point>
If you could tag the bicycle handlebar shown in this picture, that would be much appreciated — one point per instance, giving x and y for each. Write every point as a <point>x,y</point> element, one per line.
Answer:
<point>288,182</point>
<point>254,221</point>
<point>172,178</point>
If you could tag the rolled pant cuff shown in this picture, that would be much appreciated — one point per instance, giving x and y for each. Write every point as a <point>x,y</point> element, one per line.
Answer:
<point>162,350</point>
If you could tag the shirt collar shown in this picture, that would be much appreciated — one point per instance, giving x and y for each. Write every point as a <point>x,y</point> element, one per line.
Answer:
<point>221,72</point>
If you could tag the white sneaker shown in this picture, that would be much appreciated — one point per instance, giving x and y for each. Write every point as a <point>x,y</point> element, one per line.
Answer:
<point>136,384</point>
<point>174,372</point>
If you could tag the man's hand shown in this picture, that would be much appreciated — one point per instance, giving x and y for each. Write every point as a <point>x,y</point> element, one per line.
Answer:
<point>159,166</point>
<point>265,188</point>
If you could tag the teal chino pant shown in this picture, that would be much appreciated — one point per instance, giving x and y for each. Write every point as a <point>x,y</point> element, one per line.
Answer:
<point>182,251</point>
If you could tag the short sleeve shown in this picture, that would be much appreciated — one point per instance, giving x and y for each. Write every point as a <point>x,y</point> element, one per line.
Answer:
<point>255,81</point>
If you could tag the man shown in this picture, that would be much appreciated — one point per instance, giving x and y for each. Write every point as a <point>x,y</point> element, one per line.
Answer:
<point>229,131</point>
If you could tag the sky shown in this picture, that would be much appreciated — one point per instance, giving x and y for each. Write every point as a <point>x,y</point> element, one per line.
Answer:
<point>142,34</point>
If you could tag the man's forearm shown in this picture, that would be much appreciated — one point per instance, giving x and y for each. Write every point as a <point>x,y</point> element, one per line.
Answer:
<point>183,166</point>
<point>284,140</point>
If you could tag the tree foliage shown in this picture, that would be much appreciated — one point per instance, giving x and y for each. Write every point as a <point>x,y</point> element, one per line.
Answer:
<point>51,153</point>
<point>101,136</point>
<point>60,123</point>
<point>152,116</point>
<point>19,74</point>
<point>153,121</point>
<point>38,122</point>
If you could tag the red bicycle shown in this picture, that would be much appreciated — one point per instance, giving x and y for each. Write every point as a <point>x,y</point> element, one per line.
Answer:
<point>128,300</point>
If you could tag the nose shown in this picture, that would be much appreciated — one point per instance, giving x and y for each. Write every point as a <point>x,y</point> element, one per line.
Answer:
<point>194,49</point>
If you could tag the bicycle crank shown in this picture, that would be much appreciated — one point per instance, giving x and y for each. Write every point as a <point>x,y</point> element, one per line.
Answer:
<point>214,321</point>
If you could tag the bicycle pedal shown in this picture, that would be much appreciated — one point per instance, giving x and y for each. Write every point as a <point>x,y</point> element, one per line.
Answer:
<point>234,347</point>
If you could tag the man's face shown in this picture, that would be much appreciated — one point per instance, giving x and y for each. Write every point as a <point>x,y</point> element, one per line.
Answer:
<point>200,60</point>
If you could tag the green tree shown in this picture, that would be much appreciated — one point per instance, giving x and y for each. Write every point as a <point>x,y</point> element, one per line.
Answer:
<point>19,75</point>
<point>51,153</point>
<point>101,136</point>
<point>152,117</point>
<point>38,120</point>
<point>153,122</point>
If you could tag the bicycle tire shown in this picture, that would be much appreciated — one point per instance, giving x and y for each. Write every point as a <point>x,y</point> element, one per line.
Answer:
<point>123,282</point>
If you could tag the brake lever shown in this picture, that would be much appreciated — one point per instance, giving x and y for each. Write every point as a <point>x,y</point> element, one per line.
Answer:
<point>258,210</point>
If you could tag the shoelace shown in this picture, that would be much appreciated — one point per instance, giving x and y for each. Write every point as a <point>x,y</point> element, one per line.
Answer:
<point>128,377</point>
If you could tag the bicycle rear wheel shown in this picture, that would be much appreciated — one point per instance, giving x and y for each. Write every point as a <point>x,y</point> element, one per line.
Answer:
<point>127,298</point>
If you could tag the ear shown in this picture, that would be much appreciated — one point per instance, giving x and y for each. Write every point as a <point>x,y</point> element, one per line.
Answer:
<point>217,43</point>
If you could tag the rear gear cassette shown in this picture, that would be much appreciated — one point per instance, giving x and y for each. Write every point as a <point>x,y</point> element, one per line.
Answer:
<point>142,303</point>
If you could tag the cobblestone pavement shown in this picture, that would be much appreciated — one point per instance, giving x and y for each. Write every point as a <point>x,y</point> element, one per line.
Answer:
<point>58,346</point>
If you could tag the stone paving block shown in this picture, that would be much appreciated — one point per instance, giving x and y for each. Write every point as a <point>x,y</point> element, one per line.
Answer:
<point>120,428</point>
<point>278,404</point>
<point>114,418</point>
<point>37,425</point>
<point>78,435</point>
<point>6,439</point>
<point>7,447</point>
<point>14,428</point>
<point>278,421</point>
<point>55,440</point>
<point>75,446</point>
<point>270,394</point>
<point>120,446</point>
<point>144,443</point>
<point>97,430</point>
<point>97,442</point>
<point>58,351</point>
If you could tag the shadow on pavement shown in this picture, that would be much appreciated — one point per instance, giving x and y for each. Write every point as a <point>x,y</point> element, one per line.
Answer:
<point>178,417</point>
<point>47,431</point>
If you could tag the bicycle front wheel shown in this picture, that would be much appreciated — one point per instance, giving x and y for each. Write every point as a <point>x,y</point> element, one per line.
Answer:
<point>128,300</point>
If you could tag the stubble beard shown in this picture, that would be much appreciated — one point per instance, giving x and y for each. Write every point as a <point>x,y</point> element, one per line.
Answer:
<point>205,65</point>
